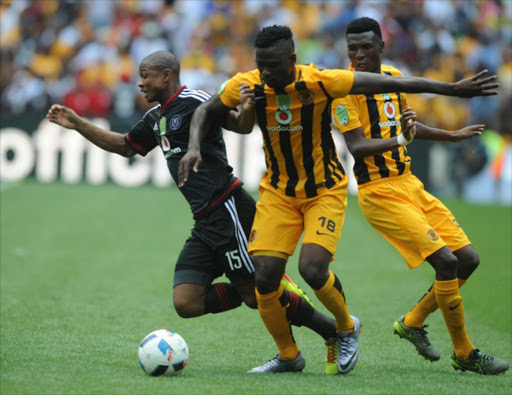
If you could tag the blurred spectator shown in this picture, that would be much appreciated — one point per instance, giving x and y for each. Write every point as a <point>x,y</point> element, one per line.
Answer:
<point>47,43</point>
<point>88,98</point>
<point>103,40</point>
<point>86,54</point>
<point>148,41</point>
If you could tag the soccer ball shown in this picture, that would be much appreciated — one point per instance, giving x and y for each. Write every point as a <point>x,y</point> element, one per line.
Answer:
<point>163,353</point>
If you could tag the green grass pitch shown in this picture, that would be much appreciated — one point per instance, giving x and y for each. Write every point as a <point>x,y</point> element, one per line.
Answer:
<point>86,273</point>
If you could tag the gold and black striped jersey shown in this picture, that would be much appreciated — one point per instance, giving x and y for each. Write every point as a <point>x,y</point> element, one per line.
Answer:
<point>379,115</point>
<point>300,154</point>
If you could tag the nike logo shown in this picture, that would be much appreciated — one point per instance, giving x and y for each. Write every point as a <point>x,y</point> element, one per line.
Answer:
<point>259,97</point>
<point>454,307</point>
<point>321,233</point>
<point>342,367</point>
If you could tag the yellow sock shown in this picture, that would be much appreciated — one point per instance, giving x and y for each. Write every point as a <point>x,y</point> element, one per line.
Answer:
<point>426,306</point>
<point>450,303</point>
<point>332,297</point>
<point>274,317</point>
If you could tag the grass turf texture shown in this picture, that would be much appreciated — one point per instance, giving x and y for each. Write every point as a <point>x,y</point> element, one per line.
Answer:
<point>86,273</point>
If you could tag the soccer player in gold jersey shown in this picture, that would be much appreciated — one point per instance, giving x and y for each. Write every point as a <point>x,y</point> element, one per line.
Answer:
<point>376,129</point>
<point>304,189</point>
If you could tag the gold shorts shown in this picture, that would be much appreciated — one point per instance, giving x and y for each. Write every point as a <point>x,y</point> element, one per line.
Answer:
<point>416,223</point>
<point>280,220</point>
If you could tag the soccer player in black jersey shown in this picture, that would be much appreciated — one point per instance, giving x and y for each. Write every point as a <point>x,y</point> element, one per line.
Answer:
<point>376,129</point>
<point>222,209</point>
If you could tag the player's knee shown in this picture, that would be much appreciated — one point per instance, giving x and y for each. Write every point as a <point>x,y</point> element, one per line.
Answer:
<point>187,309</point>
<point>251,302</point>
<point>468,264</point>
<point>268,275</point>
<point>314,275</point>
<point>446,269</point>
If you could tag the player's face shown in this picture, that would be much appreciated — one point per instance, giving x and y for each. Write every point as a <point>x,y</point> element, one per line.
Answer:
<point>151,83</point>
<point>364,51</point>
<point>276,66</point>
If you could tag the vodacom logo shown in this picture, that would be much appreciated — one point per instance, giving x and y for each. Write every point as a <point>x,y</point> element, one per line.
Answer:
<point>389,110</point>
<point>283,114</point>
<point>283,117</point>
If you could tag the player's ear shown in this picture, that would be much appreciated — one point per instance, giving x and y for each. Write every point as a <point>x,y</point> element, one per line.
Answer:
<point>167,74</point>
<point>382,45</point>
<point>293,59</point>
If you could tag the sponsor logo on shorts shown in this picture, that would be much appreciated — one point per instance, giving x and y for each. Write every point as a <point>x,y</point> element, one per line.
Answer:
<point>432,235</point>
<point>253,235</point>
<point>322,233</point>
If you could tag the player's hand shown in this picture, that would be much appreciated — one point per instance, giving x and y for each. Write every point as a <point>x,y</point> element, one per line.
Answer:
<point>247,99</point>
<point>408,123</point>
<point>191,158</point>
<point>477,86</point>
<point>466,133</point>
<point>62,116</point>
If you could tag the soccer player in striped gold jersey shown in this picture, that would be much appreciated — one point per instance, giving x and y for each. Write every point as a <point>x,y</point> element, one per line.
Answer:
<point>304,188</point>
<point>376,129</point>
<point>223,211</point>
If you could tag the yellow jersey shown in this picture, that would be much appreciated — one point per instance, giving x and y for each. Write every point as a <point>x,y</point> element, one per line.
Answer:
<point>300,154</point>
<point>379,115</point>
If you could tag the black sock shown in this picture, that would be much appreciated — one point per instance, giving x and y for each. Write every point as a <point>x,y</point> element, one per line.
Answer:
<point>221,297</point>
<point>301,313</point>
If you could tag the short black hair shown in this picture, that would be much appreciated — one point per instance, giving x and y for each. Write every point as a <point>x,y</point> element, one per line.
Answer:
<point>162,60</point>
<point>363,25</point>
<point>273,35</point>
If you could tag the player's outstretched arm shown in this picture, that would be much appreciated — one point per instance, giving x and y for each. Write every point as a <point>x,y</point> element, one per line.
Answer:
<point>207,113</point>
<point>424,132</point>
<point>361,147</point>
<point>107,140</point>
<point>372,83</point>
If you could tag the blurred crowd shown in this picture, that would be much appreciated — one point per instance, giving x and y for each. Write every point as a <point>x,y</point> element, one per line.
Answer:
<point>85,54</point>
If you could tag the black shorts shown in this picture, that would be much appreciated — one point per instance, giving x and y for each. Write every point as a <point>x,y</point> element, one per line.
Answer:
<point>218,245</point>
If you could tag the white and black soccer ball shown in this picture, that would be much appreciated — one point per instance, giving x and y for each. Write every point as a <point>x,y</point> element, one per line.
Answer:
<point>163,353</point>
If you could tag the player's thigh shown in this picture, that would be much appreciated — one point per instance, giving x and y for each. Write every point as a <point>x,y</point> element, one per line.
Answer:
<point>235,262</point>
<point>245,210</point>
<point>395,211</point>
<point>444,222</point>
<point>324,216</point>
<point>196,264</point>
<point>278,224</point>
<point>189,297</point>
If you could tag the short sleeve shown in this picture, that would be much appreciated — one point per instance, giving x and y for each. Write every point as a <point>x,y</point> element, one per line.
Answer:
<point>345,114</point>
<point>403,98</point>
<point>229,92</point>
<point>338,83</point>
<point>141,137</point>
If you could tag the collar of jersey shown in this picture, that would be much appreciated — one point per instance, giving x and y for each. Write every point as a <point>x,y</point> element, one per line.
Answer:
<point>172,98</point>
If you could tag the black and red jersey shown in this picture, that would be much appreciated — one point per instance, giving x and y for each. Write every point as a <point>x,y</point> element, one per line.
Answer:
<point>168,127</point>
